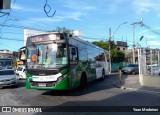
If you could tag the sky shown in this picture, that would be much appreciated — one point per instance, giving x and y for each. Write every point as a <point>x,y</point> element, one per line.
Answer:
<point>92,18</point>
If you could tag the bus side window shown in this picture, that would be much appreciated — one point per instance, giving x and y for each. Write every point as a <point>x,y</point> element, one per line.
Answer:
<point>74,54</point>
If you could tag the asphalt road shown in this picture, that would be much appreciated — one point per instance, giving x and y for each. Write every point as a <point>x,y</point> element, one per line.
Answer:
<point>97,93</point>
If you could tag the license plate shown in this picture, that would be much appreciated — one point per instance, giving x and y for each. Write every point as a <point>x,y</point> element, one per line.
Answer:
<point>42,84</point>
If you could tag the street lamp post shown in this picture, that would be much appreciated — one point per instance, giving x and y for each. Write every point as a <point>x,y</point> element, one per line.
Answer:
<point>118,28</point>
<point>110,38</point>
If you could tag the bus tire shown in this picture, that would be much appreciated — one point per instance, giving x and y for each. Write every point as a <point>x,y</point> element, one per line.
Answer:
<point>103,75</point>
<point>83,82</point>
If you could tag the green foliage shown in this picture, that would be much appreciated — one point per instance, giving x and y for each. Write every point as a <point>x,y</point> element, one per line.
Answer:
<point>101,44</point>
<point>104,45</point>
<point>117,56</point>
<point>62,29</point>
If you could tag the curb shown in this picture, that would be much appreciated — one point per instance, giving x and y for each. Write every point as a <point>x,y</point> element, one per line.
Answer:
<point>124,88</point>
<point>136,89</point>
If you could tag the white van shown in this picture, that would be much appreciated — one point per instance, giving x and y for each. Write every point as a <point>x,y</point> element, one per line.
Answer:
<point>20,72</point>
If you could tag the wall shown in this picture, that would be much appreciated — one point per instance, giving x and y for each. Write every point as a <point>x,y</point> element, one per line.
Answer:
<point>115,66</point>
<point>150,81</point>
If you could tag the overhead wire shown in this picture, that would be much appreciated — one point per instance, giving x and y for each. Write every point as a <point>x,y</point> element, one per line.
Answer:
<point>23,27</point>
<point>7,46</point>
<point>12,39</point>
<point>150,28</point>
<point>6,18</point>
<point>4,14</point>
<point>29,20</point>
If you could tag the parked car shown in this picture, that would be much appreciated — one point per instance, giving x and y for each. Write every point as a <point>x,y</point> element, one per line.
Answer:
<point>7,78</point>
<point>156,70</point>
<point>20,72</point>
<point>131,69</point>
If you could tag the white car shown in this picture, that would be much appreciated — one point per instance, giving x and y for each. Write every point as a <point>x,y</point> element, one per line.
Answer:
<point>156,70</point>
<point>7,78</point>
<point>20,72</point>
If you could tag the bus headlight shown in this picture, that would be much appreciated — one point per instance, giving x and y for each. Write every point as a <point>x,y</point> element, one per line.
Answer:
<point>61,78</point>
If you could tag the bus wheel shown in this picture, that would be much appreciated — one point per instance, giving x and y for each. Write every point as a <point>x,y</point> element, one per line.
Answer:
<point>103,75</point>
<point>83,82</point>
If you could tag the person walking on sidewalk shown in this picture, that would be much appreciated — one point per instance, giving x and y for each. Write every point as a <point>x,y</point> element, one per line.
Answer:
<point>120,73</point>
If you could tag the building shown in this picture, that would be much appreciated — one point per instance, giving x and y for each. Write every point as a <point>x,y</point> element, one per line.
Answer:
<point>6,53</point>
<point>122,46</point>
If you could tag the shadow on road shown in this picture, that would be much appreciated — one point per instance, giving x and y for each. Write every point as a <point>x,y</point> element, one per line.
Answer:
<point>123,102</point>
<point>94,86</point>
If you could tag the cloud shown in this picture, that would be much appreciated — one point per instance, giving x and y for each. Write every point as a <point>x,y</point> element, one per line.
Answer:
<point>45,20</point>
<point>62,17</point>
<point>79,5</point>
<point>21,8</point>
<point>17,7</point>
<point>154,43</point>
<point>145,6</point>
<point>55,19</point>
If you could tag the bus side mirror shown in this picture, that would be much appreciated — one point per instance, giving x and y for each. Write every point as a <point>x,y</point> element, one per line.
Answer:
<point>73,51</point>
<point>22,54</point>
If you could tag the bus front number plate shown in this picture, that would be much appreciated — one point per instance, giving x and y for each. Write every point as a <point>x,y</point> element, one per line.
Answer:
<point>42,84</point>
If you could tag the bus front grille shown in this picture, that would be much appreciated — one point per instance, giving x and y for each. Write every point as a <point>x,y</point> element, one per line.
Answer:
<point>45,84</point>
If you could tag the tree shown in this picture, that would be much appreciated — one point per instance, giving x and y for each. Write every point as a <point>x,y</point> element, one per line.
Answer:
<point>104,45</point>
<point>101,44</point>
<point>117,56</point>
<point>62,29</point>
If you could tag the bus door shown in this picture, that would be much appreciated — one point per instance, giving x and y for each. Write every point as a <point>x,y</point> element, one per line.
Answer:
<point>73,65</point>
<point>99,65</point>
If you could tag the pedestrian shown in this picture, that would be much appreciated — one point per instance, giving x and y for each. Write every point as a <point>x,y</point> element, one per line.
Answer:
<point>120,73</point>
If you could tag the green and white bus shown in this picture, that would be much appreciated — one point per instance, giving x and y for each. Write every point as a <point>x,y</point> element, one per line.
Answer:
<point>57,61</point>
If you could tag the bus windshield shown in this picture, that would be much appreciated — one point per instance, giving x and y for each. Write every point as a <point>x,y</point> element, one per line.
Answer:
<point>46,56</point>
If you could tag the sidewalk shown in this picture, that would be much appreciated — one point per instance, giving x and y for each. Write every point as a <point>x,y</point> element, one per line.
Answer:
<point>130,82</point>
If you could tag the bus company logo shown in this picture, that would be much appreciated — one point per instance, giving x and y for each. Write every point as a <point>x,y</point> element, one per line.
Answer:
<point>6,109</point>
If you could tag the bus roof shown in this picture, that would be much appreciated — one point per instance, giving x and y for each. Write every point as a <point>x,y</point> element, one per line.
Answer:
<point>87,43</point>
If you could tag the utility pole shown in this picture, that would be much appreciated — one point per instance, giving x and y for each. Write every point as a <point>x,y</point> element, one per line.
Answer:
<point>133,47</point>
<point>133,35</point>
<point>110,66</point>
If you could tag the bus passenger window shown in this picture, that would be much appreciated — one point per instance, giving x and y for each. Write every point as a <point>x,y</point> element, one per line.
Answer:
<point>73,54</point>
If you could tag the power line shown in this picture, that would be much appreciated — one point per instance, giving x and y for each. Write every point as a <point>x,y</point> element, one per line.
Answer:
<point>7,17</point>
<point>12,39</point>
<point>3,14</point>
<point>7,46</point>
<point>23,27</point>
<point>23,19</point>
<point>150,28</point>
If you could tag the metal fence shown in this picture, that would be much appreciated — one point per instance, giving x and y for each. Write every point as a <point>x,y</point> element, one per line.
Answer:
<point>145,69</point>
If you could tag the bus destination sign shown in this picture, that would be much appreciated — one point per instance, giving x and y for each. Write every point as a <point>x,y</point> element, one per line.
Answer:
<point>43,38</point>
